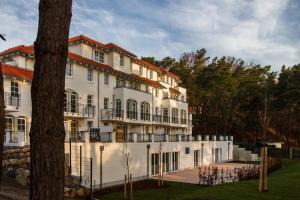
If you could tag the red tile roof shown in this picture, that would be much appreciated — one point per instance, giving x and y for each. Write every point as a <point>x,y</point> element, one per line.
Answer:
<point>87,39</point>
<point>109,46</point>
<point>16,72</point>
<point>149,65</point>
<point>151,82</point>
<point>20,48</point>
<point>174,90</point>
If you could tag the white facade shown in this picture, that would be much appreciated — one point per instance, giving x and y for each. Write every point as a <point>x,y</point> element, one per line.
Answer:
<point>108,88</point>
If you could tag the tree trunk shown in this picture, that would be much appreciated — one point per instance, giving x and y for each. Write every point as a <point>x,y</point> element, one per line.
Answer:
<point>2,117</point>
<point>47,132</point>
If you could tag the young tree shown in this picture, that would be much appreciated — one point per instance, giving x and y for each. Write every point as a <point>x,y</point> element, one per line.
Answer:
<point>47,132</point>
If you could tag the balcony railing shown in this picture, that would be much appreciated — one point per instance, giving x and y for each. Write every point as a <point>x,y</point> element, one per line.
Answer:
<point>133,88</point>
<point>156,118</point>
<point>101,137</point>
<point>166,119</point>
<point>172,98</point>
<point>175,120</point>
<point>174,138</point>
<point>112,114</point>
<point>75,136</point>
<point>144,137</point>
<point>183,120</point>
<point>79,109</point>
<point>159,138</point>
<point>129,137</point>
<point>185,138</point>
<point>145,116</point>
<point>12,100</point>
<point>132,115</point>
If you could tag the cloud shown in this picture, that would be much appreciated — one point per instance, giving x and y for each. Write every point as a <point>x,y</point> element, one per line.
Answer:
<point>266,32</point>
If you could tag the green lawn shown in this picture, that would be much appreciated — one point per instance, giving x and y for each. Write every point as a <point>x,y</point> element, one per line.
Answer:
<point>282,184</point>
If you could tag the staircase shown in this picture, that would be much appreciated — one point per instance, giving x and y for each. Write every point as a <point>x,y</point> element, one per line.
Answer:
<point>241,154</point>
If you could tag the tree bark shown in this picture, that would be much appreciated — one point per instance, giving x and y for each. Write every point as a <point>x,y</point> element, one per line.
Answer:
<point>2,118</point>
<point>47,132</point>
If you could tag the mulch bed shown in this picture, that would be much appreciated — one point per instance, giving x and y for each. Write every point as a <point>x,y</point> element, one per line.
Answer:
<point>138,185</point>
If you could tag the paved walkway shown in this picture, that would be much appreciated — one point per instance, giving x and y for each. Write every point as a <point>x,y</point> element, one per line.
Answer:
<point>191,175</point>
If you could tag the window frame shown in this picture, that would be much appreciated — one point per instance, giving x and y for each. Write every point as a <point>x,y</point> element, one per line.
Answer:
<point>69,69</point>
<point>90,74</point>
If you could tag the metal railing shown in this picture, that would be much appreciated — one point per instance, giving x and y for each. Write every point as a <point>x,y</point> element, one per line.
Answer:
<point>156,118</point>
<point>132,115</point>
<point>79,109</point>
<point>175,120</point>
<point>173,138</point>
<point>144,137</point>
<point>112,114</point>
<point>12,100</point>
<point>75,136</point>
<point>166,119</point>
<point>133,88</point>
<point>183,120</point>
<point>145,116</point>
<point>129,137</point>
<point>101,137</point>
<point>159,138</point>
<point>13,136</point>
<point>185,138</point>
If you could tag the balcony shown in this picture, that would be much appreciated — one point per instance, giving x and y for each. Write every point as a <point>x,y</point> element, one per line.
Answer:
<point>14,138</point>
<point>112,114</point>
<point>174,138</point>
<point>12,102</point>
<point>174,103</point>
<point>156,119</point>
<point>79,110</point>
<point>145,116</point>
<point>160,138</point>
<point>166,119</point>
<point>75,136</point>
<point>144,137</point>
<point>130,93</point>
<point>101,137</point>
<point>175,120</point>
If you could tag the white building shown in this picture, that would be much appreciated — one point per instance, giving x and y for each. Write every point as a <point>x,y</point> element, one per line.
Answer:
<point>132,102</point>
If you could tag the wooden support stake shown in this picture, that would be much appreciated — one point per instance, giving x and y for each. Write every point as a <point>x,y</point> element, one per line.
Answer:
<point>125,196</point>
<point>263,170</point>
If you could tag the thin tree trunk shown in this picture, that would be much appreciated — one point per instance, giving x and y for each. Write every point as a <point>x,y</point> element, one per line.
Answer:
<point>47,132</point>
<point>2,117</point>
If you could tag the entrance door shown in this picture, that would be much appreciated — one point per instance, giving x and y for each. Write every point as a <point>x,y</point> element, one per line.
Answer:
<point>154,163</point>
<point>120,133</point>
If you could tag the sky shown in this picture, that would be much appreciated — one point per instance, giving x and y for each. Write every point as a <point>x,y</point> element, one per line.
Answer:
<point>264,32</point>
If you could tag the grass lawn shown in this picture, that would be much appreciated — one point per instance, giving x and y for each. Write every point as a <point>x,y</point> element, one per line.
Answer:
<point>282,184</point>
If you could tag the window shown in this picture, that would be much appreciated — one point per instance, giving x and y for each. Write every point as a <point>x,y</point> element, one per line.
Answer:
<point>145,111</point>
<point>141,71</point>
<point>106,79</point>
<point>74,101</point>
<point>121,60</point>
<point>151,74</point>
<point>8,123</point>
<point>156,110</point>
<point>165,115</point>
<point>66,104</point>
<point>90,74</point>
<point>90,124</point>
<point>14,89</point>
<point>156,92</point>
<point>182,98</point>
<point>183,116</point>
<point>106,102</point>
<point>89,101</point>
<point>106,124</point>
<point>147,88</point>
<point>69,70</point>
<point>21,124</point>
<point>131,107</point>
<point>120,83</point>
<point>99,56</point>
<point>171,82</point>
<point>166,95</point>
<point>174,115</point>
<point>118,108</point>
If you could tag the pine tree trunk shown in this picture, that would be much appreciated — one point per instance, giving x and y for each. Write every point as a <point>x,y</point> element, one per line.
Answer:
<point>47,132</point>
<point>2,117</point>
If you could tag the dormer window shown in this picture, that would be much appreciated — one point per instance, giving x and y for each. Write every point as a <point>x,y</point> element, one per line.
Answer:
<point>151,74</point>
<point>98,56</point>
<point>141,71</point>
<point>121,60</point>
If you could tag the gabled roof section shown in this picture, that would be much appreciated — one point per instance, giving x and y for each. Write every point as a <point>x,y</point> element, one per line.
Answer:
<point>148,65</point>
<point>10,70</point>
<point>107,47</point>
<point>146,80</point>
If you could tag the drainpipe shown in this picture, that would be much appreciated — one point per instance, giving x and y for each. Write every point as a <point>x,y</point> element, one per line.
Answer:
<point>98,101</point>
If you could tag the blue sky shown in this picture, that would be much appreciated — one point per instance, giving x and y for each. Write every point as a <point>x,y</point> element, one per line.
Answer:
<point>259,31</point>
